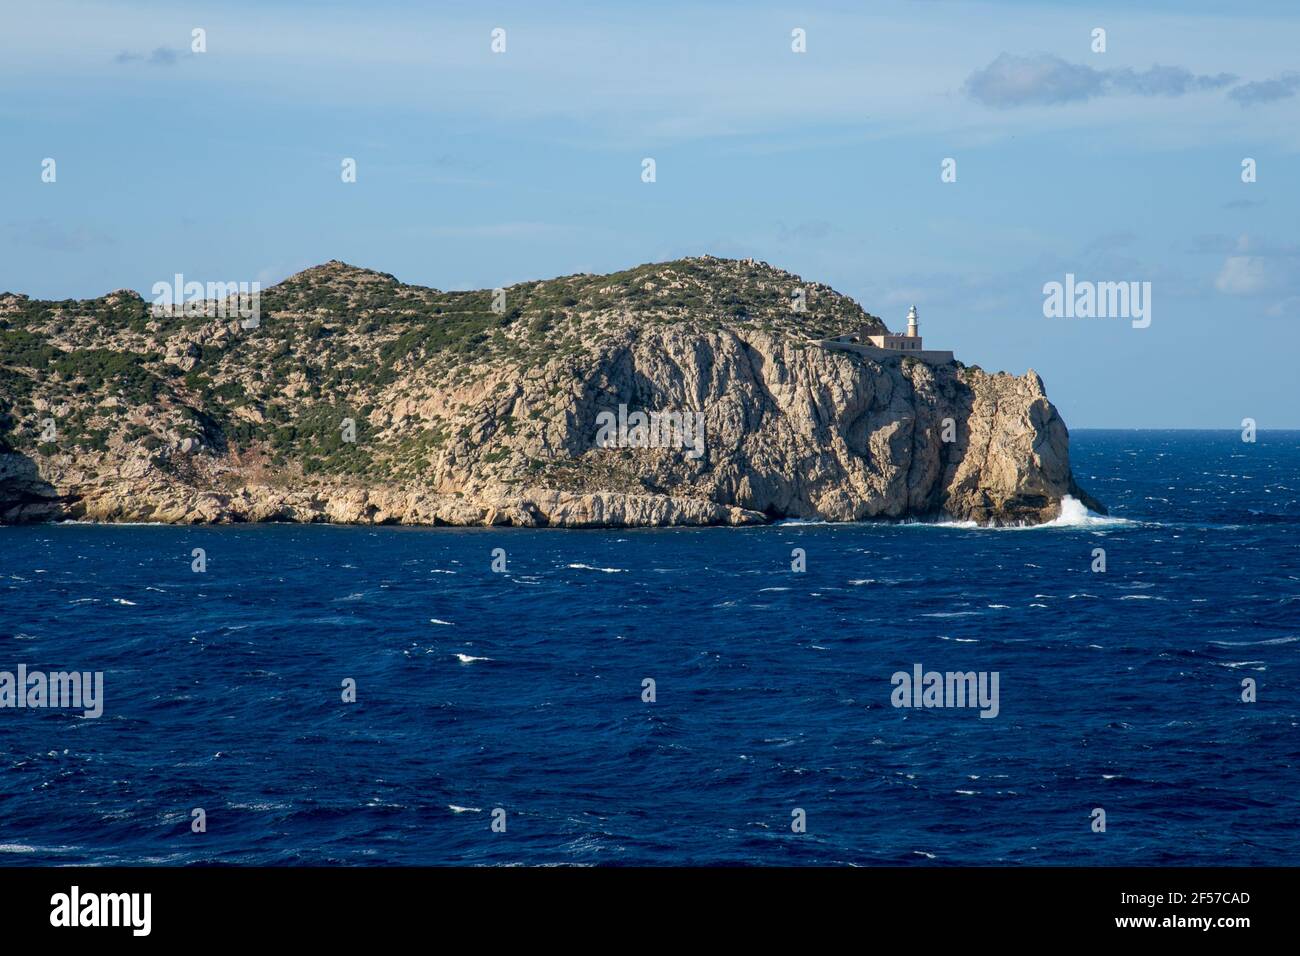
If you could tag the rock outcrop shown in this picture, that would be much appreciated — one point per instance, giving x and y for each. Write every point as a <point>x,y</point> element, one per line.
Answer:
<point>358,399</point>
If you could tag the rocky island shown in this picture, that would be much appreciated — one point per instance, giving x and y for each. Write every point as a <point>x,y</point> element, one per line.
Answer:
<point>356,398</point>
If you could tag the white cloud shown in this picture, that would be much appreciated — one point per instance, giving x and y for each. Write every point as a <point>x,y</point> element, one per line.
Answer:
<point>637,74</point>
<point>1244,275</point>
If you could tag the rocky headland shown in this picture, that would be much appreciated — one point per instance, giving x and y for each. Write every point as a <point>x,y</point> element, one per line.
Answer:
<point>356,398</point>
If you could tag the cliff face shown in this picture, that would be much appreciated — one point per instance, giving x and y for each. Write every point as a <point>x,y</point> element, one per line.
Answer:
<point>359,399</point>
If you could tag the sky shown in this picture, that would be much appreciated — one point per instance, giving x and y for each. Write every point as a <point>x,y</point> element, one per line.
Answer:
<point>478,169</point>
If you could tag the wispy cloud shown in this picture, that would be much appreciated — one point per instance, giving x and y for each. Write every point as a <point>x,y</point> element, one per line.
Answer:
<point>1110,242</point>
<point>1045,80</point>
<point>1258,267</point>
<point>161,56</point>
<point>1267,91</point>
<point>813,230</point>
<point>1245,275</point>
<point>52,236</point>
<point>500,230</point>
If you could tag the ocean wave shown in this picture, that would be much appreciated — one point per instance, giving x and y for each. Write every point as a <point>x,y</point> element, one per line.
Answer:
<point>1074,514</point>
<point>1271,640</point>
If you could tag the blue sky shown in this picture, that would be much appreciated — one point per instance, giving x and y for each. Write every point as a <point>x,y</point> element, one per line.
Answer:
<point>478,169</point>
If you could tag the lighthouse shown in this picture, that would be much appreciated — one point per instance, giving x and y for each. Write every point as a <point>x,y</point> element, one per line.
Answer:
<point>877,341</point>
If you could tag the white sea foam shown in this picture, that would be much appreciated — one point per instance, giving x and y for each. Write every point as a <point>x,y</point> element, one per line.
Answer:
<point>965,525</point>
<point>435,620</point>
<point>588,567</point>
<point>1074,514</point>
<point>1271,640</point>
<point>469,658</point>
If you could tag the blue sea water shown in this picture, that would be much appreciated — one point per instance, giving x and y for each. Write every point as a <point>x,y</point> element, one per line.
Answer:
<point>523,690</point>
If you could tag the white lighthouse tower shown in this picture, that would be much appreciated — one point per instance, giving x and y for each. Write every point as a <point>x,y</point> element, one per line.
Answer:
<point>913,330</point>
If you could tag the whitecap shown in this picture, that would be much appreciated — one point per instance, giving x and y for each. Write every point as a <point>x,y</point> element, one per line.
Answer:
<point>1271,640</point>
<point>469,658</point>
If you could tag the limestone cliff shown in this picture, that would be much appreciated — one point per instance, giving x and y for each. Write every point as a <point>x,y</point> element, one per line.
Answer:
<point>360,399</point>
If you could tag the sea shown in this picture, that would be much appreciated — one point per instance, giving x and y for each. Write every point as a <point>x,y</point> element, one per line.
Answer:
<point>286,695</point>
